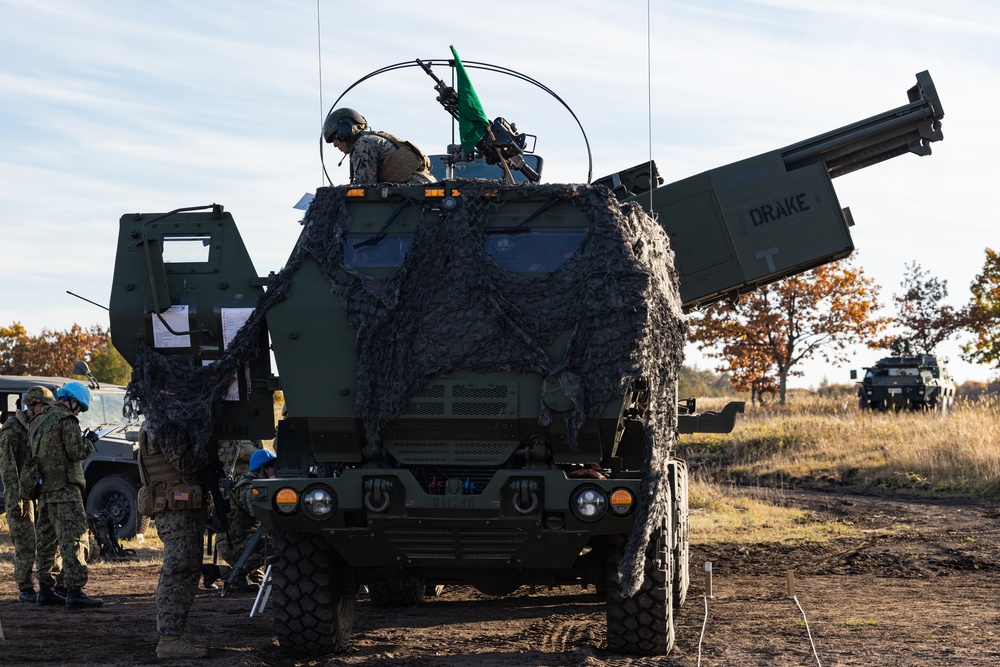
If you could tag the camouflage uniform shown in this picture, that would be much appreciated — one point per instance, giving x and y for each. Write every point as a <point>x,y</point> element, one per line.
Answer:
<point>20,513</point>
<point>242,526</point>
<point>61,525</point>
<point>368,153</point>
<point>180,530</point>
<point>235,456</point>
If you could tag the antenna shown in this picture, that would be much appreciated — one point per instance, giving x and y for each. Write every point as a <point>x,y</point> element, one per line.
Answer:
<point>649,104</point>
<point>87,300</point>
<point>319,58</point>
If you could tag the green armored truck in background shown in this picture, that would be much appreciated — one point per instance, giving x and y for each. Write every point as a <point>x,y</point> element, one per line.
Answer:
<point>906,381</point>
<point>480,374</point>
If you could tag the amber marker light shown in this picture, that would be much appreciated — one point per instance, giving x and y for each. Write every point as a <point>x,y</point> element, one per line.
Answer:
<point>286,501</point>
<point>622,501</point>
<point>355,192</point>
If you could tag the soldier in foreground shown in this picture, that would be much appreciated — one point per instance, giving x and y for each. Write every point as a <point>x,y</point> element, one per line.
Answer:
<point>172,493</point>
<point>61,526</point>
<point>376,157</point>
<point>21,513</point>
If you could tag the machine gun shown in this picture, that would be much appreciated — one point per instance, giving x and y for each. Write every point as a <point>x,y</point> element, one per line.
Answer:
<point>501,145</point>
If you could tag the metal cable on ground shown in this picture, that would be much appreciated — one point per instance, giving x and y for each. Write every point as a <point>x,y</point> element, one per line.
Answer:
<point>702,637</point>
<point>808,633</point>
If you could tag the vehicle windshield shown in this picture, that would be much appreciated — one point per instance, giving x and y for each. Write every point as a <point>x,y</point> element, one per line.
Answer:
<point>376,250</point>
<point>515,250</point>
<point>533,250</point>
<point>478,168</point>
<point>105,409</point>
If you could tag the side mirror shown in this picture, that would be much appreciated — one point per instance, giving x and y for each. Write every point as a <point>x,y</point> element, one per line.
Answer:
<point>81,368</point>
<point>854,375</point>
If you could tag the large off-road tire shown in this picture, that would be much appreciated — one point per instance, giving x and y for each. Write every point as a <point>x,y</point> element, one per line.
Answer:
<point>396,595</point>
<point>680,542</point>
<point>644,623</point>
<point>313,611</point>
<point>118,495</point>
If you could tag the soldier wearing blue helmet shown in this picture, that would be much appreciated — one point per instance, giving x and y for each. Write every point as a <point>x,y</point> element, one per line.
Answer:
<point>242,524</point>
<point>61,525</point>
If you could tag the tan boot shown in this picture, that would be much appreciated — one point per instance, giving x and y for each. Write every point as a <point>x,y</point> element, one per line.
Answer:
<point>175,646</point>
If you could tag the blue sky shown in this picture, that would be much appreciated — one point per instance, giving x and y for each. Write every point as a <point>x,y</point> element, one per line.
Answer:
<point>111,107</point>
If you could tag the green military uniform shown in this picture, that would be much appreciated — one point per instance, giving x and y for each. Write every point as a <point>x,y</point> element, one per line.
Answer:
<point>20,513</point>
<point>61,525</point>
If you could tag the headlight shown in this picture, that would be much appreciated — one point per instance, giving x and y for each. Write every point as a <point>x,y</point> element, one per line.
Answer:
<point>319,502</point>
<point>286,501</point>
<point>589,503</point>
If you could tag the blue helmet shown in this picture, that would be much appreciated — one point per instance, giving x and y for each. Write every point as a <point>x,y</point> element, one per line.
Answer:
<point>76,390</point>
<point>261,458</point>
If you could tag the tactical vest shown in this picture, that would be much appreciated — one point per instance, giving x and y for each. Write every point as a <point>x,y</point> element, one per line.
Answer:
<point>163,486</point>
<point>56,473</point>
<point>403,163</point>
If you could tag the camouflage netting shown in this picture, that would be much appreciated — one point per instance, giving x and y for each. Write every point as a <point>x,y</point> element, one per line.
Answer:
<point>451,307</point>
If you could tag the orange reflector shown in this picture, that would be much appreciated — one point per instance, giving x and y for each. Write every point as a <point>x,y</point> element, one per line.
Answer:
<point>355,192</point>
<point>621,497</point>
<point>287,497</point>
<point>434,192</point>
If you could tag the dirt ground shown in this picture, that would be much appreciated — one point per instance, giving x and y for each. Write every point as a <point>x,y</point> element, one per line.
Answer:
<point>925,595</point>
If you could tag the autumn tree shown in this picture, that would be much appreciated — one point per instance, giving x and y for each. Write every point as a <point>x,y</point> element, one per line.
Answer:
<point>108,365</point>
<point>49,353</point>
<point>922,319</point>
<point>984,314</point>
<point>770,330</point>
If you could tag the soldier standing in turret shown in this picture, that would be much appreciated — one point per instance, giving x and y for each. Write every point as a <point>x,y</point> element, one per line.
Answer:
<point>21,513</point>
<point>61,526</point>
<point>376,157</point>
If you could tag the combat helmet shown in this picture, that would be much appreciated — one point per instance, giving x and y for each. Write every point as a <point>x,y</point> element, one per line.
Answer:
<point>37,394</point>
<point>75,390</point>
<point>343,124</point>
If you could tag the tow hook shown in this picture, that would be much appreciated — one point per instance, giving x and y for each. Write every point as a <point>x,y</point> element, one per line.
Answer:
<point>525,495</point>
<point>377,494</point>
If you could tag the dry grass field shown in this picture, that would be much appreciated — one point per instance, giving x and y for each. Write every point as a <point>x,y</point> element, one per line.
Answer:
<point>890,523</point>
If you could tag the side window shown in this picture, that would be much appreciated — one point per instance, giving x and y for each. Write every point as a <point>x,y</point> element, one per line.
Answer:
<point>376,250</point>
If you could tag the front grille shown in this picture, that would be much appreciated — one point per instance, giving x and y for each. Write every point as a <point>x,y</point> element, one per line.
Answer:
<point>457,543</point>
<point>449,429</point>
<point>451,452</point>
<point>464,398</point>
<point>433,479</point>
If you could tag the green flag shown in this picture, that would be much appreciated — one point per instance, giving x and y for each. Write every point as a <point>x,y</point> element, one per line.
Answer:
<point>472,120</point>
